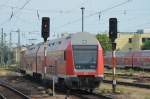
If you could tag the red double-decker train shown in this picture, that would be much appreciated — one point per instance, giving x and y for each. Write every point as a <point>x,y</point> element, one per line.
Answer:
<point>75,61</point>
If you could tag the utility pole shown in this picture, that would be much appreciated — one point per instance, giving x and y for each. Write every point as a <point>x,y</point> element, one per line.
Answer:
<point>18,47</point>
<point>82,8</point>
<point>2,49</point>
<point>9,53</point>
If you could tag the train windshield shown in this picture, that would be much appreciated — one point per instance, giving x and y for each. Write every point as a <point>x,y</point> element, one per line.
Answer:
<point>85,56</point>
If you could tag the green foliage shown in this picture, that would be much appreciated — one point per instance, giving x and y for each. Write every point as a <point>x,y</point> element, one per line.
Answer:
<point>146,45</point>
<point>104,41</point>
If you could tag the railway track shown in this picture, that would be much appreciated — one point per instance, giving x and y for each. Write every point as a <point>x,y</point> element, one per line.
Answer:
<point>2,96</point>
<point>8,92</point>
<point>87,95</point>
<point>129,84</point>
<point>82,94</point>
<point>126,75</point>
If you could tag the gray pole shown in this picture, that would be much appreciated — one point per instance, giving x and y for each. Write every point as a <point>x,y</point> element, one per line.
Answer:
<point>2,53</point>
<point>114,66</point>
<point>2,56</point>
<point>82,18</point>
<point>1,50</point>
<point>9,57</point>
<point>19,48</point>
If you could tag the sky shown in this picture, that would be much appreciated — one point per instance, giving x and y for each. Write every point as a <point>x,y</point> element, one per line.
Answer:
<point>65,16</point>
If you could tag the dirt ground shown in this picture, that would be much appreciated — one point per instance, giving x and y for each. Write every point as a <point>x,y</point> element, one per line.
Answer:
<point>124,92</point>
<point>29,88</point>
<point>38,92</point>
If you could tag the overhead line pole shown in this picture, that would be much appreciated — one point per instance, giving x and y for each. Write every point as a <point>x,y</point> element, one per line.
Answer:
<point>18,48</point>
<point>2,49</point>
<point>82,18</point>
<point>9,57</point>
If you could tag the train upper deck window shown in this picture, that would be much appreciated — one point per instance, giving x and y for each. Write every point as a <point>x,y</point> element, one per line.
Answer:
<point>85,56</point>
<point>32,48</point>
<point>59,42</point>
<point>53,43</point>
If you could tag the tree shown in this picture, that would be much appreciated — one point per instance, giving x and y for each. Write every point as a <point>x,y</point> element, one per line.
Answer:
<point>146,45</point>
<point>104,41</point>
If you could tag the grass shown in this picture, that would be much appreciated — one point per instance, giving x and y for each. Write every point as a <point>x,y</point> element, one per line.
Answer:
<point>129,72</point>
<point>104,90</point>
<point>12,67</point>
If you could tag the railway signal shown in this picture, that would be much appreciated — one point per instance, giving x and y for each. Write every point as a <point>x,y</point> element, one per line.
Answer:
<point>113,36</point>
<point>113,29</point>
<point>45,28</point>
<point>45,34</point>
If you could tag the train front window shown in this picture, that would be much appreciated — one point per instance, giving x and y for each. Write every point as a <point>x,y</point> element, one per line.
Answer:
<point>85,56</point>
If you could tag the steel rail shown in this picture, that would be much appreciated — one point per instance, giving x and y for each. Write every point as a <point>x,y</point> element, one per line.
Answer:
<point>87,95</point>
<point>14,90</point>
<point>129,84</point>
<point>2,96</point>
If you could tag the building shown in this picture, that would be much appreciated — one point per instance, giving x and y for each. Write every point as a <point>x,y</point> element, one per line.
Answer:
<point>131,41</point>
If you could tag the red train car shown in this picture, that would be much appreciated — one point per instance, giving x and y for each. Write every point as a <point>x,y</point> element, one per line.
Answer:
<point>136,59</point>
<point>76,61</point>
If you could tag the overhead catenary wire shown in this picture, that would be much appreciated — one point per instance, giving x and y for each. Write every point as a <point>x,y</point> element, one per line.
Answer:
<point>96,13</point>
<point>38,15</point>
<point>92,14</point>
<point>99,16</point>
<point>14,13</point>
<point>21,7</point>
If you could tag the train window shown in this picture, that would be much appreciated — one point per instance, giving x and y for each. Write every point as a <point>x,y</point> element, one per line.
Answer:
<point>85,57</point>
<point>145,39</point>
<point>59,42</point>
<point>130,49</point>
<point>53,43</point>
<point>130,40</point>
<point>49,44</point>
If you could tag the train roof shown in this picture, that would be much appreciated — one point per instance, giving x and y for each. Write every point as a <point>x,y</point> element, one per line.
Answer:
<point>61,43</point>
<point>83,38</point>
<point>145,53</point>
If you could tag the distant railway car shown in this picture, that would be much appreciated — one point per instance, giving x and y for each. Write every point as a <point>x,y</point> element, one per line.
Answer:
<point>76,61</point>
<point>137,59</point>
